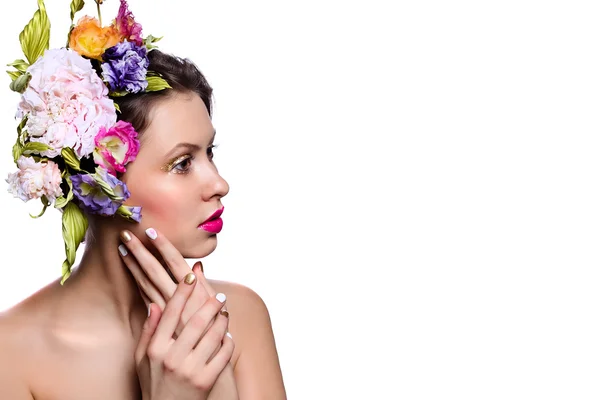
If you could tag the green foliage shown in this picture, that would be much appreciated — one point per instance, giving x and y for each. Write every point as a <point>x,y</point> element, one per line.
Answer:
<point>74,226</point>
<point>35,37</point>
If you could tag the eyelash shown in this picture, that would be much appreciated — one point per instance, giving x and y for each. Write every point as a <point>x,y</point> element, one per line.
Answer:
<point>188,157</point>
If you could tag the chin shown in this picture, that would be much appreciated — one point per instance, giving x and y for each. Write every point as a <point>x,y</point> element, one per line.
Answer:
<point>201,250</point>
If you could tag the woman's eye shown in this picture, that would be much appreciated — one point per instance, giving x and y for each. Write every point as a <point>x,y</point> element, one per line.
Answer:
<point>183,165</point>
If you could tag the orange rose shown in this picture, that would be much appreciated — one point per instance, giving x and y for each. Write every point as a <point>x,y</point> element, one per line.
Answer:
<point>89,39</point>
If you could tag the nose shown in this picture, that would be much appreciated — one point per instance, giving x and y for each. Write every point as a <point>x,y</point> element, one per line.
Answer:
<point>214,185</point>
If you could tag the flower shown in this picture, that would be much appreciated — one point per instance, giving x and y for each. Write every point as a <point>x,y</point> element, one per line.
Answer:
<point>66,103</point>
<point>126,26</point>
<point>35,179</point>
<point>125,67</point>
<point>116,147</point>
<point>134,213</point>
<point>89,39</point>
<point>100,193</point>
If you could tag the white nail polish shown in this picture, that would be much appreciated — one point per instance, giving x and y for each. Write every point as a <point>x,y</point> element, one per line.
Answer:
<point>122,250</point>
<point>221,297</point>
<point>229,334</point>
<point>151,233</point>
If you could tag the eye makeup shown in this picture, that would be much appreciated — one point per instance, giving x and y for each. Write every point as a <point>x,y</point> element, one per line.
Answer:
<point>171,165</point>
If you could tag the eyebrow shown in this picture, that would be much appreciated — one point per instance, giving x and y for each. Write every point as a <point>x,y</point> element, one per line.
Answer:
<point>189,146</point>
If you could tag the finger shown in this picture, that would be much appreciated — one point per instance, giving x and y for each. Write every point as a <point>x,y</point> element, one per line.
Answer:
<point>173,258</point>
<point>147,288</point>
<point>218,363</point>
<point>147,300</point>
<point>210,292</point>
<point>211,341</point>
<point>225,313</point>
<point>195,328</point>
<point>153,269</point>
<point>148,330</point>
<point>202,278</point>
<point>172,313</point>
<point>199,296</point>
<point>196,300</point>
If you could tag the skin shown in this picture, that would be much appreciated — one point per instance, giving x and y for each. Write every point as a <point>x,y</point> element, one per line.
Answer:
<point>77,341</point>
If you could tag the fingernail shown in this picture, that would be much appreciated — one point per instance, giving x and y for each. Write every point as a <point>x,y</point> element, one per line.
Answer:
<point>151,233</point>
<point>197,266</point>
<point>122,250</point>
<point>221,297</point>
<point>149,309</point>
<point>125,236</point>
<point>189,278</point>
<point>229,334</point>
<point>224,313</point>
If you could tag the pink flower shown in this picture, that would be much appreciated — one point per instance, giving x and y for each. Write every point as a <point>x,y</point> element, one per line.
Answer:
<point>126,26</point>
<point>35,179</point>
<point>66,103</point>
<point>116,147</point>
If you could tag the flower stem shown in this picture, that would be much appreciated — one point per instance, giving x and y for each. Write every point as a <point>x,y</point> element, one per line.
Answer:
<point>99,14</point>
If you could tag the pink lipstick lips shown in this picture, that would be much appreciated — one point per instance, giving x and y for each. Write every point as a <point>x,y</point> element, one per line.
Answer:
<point>214,223</point>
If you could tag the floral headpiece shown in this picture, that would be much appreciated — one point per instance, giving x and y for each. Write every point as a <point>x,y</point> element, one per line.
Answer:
<point>69,142</point>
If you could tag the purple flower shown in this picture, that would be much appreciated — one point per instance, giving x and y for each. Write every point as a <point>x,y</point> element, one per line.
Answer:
<point>100,193</point>
<point>137,213</point>
<point>134,213</point>
<point>125,66</point>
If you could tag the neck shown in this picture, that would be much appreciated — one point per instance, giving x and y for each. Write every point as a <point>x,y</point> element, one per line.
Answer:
<point>103,282</point>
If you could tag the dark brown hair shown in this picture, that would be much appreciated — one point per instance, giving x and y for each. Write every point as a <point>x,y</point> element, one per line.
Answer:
<point>180,73</point>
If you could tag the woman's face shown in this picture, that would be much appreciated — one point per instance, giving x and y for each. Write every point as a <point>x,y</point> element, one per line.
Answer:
<point>174,178</point>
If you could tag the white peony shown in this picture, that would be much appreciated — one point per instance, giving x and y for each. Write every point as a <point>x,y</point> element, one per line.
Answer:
<point>35,179</point>
<point>66,103</point>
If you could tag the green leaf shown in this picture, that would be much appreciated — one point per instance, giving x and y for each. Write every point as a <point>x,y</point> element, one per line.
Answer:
<point>14,74</point>
<point>68,154</point>
<point>117,107</point>
<point>70,194</point>
<point>76,6</point>
<point>62,200</point>
<point>119,93</point>
<point>35,148</point>
<point>22,135</point>
<point>19,65</point>
<point>17,150</point>
<point>149,42</point>
<point>19,145</point>
<point>22,125</point>
<point>35,37</point>
<point>106,188</point>
<point>74,225</point>
<point>156,83</point>
<point>20,84</point>
<point>46,203</point>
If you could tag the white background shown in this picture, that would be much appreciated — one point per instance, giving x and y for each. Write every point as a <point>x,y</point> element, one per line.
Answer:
<point>414,187</point>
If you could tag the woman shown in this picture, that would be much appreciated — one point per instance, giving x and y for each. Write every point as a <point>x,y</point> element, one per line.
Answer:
<point>132,321</point>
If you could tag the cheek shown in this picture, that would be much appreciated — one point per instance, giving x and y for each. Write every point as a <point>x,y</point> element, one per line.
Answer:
<point>161,207</point>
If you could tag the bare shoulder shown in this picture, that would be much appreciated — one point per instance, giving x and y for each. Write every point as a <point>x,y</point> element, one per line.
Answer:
<point>17,344</point>
<point>240,297</point>
<point>257,369</point>
<point>248,312</point>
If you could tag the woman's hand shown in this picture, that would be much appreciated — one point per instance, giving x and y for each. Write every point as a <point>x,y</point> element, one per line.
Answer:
<point>182,368</point>
<point>154,282</point>
<point>156,286</point>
